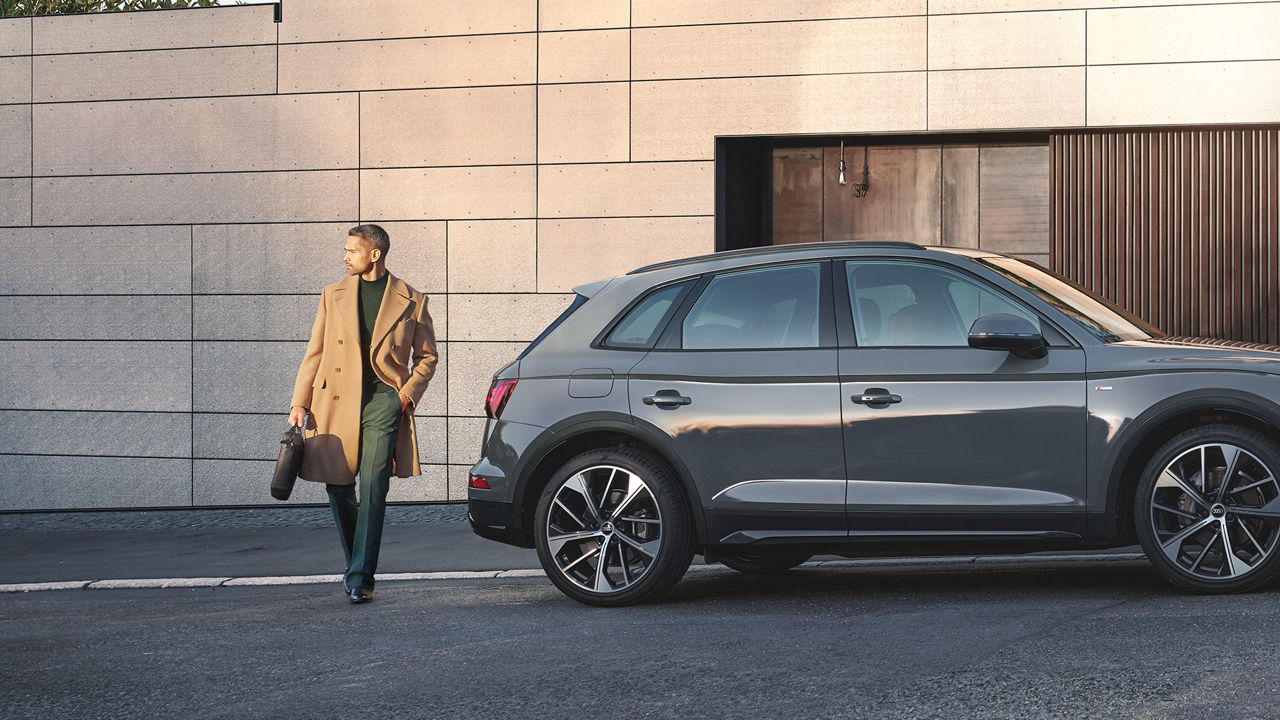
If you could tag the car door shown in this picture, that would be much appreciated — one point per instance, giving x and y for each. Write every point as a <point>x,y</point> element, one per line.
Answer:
<point>743,385</point>
<point>943,439</point>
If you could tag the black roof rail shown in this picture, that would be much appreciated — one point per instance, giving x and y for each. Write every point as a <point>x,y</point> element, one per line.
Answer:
<point>771,249</point>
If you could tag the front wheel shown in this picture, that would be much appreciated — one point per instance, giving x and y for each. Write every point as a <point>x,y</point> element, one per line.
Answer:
<point>1208,509</point>
<point>612,528</point>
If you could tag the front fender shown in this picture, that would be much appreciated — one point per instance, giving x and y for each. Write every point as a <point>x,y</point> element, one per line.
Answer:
<point>1119,451</point>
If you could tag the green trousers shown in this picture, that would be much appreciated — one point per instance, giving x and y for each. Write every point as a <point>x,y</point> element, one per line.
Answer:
<point>360,523</point>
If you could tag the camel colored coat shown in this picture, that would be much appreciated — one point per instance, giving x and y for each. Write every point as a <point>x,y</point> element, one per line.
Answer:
<point>403,352</point>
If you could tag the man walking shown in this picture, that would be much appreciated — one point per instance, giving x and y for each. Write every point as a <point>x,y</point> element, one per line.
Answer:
<point>371,354</point>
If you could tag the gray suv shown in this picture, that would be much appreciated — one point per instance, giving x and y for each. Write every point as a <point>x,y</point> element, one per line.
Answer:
<point>761,406</point>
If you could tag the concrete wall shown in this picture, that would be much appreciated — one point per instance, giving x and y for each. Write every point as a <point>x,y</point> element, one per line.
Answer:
<point>175,186</point>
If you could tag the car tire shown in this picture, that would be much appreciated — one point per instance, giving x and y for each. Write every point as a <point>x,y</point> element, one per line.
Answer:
<point>1207,509</point>
<point>763,563</point>
<point>628,503</point>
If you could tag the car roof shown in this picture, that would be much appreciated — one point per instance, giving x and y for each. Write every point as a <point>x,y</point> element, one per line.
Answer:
<point>804,250</point>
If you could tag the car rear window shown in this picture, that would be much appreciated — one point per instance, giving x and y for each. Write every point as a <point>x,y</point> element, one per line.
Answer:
<point>640,327</point>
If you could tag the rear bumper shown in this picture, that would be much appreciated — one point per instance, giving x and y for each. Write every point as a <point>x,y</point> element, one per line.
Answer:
<point>494,520</point>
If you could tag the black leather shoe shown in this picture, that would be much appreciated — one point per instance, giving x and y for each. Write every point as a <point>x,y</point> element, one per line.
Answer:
<point>361,595</point>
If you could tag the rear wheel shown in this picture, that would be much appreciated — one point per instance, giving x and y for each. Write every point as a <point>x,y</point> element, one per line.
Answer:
<point>1208,509</point>
<point>763,563</point>
<point>613,528</point>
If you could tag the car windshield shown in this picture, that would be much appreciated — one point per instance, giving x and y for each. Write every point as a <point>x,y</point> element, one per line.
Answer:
<point>1103,319</point>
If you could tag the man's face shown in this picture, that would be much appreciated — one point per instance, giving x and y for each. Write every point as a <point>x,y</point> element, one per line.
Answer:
<point>360,256</point>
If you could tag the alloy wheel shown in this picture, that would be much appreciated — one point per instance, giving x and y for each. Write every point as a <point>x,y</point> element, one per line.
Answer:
<point>1215,512</point>
<point>604,529</point>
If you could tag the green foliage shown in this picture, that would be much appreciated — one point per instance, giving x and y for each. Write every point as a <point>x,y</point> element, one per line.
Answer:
<point>18,8</point>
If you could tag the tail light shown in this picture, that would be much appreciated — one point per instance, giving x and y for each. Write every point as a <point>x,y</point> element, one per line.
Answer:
<point>477,482</point>
<point>499,393</point>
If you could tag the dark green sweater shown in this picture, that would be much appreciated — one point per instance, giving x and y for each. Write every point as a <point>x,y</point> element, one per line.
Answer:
<point>370,300</point>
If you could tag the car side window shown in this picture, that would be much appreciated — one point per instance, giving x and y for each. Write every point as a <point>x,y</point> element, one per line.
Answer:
<point>909,304</point>
<point>641,325</point>
<point>773,307</point>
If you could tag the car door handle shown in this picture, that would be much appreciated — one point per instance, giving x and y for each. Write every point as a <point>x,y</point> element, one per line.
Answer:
<point>876,396</point>
<point>666,398</point>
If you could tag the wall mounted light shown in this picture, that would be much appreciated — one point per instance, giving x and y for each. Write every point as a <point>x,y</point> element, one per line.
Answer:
<point>840,178</point>
<point>860,189</point>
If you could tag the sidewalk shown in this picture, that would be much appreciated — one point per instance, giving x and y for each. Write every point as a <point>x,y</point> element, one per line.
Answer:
<point>297,544</point>
<point>46,547</point>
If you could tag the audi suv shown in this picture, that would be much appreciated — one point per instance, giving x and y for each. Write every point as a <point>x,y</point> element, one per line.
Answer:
<point>761,406</point>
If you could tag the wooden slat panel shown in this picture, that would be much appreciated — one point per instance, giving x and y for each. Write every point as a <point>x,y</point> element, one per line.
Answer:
<point>1181,227</point>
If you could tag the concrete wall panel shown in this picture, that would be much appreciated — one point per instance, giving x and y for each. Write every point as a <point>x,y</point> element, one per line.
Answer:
<point>990,99</point>
<point>791,48</point>
<point>204,27</point>
<point>1006,40</point>
<point>285,318</point>
<point>95,317</point>
<point>481,193</point>
<point>493,256</point>
<point>197,198</point>
<point>694,12</point>
<point>96,375</point>
<point>155,74</point>
<point>584,123</point>
<point>626,189</point>
<point>15,202</point>
<point>245,376</point>
<point>130,434</point>
<point>616,246</point>
<point>465,437</point>
<point>403,64</point>
<point>431,486</point>
<point>678,120</point>
<point>1184,34</point>
<point>468,126</point>
<point>297,132</point>
<point>584,56</point>
<point>504,317</point>
<point>77,482</point>
<point>458,475</point>
<point>317,20</point>
<point>418,255</point>
<point>579,14</point>
<point>474,364</point>
<point>435,401</point>
<point>15,141</point>
<point>241,482</point>
<point>100,260</point>
<point>948,7</point>
<point>1185,93</point>
<point>270,258</point>
<point>15,36</point>
<point>15,80</point>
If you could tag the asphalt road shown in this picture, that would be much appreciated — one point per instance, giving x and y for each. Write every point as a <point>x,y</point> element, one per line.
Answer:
<point>1105,640</point>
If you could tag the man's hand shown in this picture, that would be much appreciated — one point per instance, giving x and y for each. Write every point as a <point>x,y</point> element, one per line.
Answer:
<point>297,415</point>
<point>405,403</point>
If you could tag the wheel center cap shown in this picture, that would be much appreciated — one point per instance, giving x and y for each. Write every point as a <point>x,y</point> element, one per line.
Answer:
<point>1218,510</point>
<point>606,528</point>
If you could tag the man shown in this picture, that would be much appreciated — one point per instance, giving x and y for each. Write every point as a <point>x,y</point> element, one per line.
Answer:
<point>371,354</point>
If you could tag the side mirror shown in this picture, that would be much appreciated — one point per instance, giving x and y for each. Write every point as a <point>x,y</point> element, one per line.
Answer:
<point>1010,333</point>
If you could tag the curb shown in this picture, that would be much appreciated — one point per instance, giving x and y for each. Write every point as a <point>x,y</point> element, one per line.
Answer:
<point>199,582</point>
